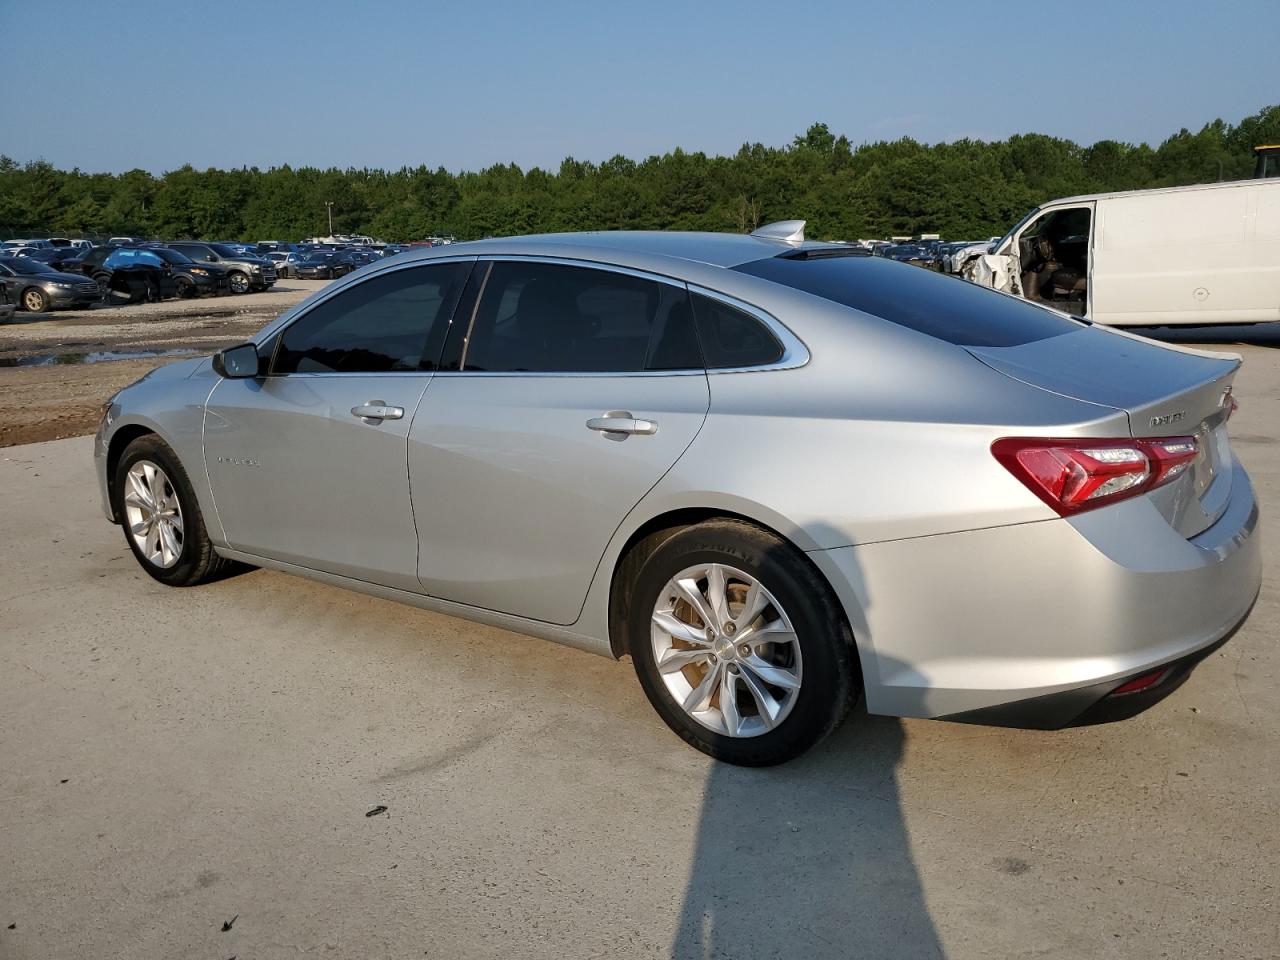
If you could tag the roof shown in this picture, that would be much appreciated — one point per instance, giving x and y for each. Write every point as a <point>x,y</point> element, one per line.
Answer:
<point>1227,185</point>
<point>715,249</point>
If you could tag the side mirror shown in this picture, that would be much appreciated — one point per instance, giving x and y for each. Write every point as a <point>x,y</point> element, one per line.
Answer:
<point>238,362</point>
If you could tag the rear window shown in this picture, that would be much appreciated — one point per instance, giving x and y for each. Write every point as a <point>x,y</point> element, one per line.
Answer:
<point>947,308</point>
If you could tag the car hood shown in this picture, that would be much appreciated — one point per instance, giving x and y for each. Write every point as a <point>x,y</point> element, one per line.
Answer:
<point>61,277</point>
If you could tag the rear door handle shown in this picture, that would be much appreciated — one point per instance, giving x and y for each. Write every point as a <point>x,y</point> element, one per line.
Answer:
<point>620,424</point>
<point>377,410</point>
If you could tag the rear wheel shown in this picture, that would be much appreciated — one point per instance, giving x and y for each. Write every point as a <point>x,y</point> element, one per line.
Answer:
<point>740,644</point>
<point>35,300</point>
<point>161,518</point>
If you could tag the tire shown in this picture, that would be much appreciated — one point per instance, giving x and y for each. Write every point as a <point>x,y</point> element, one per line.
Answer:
<point>240,282</point>
<point>34,300</point>
<point>193,561</point>
<point>808,673</point>
<point>184,288</point>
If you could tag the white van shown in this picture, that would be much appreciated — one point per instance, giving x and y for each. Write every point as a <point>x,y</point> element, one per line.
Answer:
<point>1177,255</point>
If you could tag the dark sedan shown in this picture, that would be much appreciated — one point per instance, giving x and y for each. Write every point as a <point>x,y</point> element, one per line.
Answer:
<point>36,287</point>
<point>321,265</point>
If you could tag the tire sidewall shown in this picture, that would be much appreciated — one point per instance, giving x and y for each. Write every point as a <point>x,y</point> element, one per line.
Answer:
<point>159,453</point>
<point>825,644</point>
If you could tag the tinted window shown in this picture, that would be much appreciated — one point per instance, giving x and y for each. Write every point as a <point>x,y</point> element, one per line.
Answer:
<point>947,308</point>
<point>731,338</point>
<point>390,322</point>
<point>552,318</point>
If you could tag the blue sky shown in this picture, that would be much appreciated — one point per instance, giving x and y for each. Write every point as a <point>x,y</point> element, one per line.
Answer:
<point>466,85</point>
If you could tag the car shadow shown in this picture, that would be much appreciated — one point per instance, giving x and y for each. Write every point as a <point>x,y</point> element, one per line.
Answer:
<point>810,859</point>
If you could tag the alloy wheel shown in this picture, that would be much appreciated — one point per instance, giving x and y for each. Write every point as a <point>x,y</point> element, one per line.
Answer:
<point>153,514</point>
<point>726,650</point>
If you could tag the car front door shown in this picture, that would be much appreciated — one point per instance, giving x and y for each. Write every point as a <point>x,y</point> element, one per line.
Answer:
<point>307,463</point>
<point>565,393</point>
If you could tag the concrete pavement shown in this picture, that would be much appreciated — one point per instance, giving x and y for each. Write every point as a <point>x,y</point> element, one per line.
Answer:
<point>173,759</point>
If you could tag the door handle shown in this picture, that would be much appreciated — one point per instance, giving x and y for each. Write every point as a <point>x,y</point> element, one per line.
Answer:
<point>620,424</point>
<point>377,410</point>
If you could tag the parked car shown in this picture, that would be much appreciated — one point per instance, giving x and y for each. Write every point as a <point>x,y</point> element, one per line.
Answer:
<point>193,279</point>
<point>914,253</point>
<point>1176,255</point>
<point>36,287</point>
<point>55,257</point>
<point>320,265</point>
<point>245,273</point>
<point>6,305</point>
<point>9,247</point>
<point>774,473</point>
<point>136,273</point>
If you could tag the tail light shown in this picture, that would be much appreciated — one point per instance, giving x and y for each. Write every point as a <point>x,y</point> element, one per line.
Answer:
<point>1076,475</point>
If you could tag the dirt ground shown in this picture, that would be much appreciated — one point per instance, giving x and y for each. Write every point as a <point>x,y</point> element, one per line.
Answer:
<point>56,369</point>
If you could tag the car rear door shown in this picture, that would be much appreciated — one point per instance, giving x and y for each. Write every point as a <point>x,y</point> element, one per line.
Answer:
<point>307,464</point>
<point>565,393</point>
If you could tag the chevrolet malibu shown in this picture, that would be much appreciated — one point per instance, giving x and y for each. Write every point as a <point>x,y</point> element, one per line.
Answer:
<point>779,475</point>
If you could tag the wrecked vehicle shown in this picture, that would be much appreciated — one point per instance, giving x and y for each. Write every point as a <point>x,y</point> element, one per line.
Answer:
<point>1176,255</point>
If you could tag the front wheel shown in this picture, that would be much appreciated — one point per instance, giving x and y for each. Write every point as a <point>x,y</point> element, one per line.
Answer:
<point>739,643</point>
<point>161,518</point>
<point>240,282</point>
<point>185,289</point>
<point>35,300</point>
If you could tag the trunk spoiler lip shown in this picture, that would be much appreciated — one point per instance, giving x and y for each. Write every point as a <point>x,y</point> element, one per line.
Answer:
<point>1224,355</point>
<point>989,357</point>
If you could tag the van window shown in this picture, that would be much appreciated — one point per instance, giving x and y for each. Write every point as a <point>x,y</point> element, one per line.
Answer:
<point>943,307</point>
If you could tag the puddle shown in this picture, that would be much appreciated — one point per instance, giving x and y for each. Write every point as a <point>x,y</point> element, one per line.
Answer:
<point>95,356</point>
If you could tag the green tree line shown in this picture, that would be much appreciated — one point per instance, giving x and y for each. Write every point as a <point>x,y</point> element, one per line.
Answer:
<point>963,189</point>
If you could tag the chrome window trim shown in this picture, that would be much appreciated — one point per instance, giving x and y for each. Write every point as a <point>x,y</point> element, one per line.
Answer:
<point>794,353</point>
<point>269,331</point>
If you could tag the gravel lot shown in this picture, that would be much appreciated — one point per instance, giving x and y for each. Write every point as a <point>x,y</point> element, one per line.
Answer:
<point>189,773</point>
<point>53,375</point>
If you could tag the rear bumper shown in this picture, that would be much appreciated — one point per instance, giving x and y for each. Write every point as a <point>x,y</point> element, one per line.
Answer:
<point>1098,703</point>
<point>1035,623</point>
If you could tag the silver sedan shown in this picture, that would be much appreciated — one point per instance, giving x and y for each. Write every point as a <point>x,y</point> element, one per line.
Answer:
<point>779,475</point>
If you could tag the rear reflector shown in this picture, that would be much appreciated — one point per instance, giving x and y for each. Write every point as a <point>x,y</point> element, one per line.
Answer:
<point>1140,683</point>
<point>1076,475</point>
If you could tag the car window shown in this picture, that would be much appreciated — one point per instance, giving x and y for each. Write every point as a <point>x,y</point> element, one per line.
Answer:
<point>732,338</point>
<point>939,306</point>
<point>540,317</point>
<point>131,257</point>
<point>394,321</point>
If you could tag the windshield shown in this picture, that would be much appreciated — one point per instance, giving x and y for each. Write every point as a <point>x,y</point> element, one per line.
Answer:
<point>316,257</point>
<point>222,250</point>
<point>27,266</point>
<point>1014,229</point>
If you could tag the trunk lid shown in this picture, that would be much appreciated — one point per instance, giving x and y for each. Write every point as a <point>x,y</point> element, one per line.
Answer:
<point>1165,391</point>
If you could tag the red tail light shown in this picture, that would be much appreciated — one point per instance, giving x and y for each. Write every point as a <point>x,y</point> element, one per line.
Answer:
<point>1075,475</point>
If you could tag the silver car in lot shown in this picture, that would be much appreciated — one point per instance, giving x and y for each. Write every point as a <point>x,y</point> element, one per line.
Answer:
<point>778,475</point>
